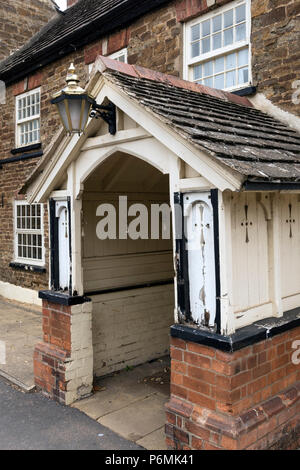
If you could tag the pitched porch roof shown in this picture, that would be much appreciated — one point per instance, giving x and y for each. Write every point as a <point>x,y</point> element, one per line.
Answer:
<point>222,128</point>
<point>222,124</point>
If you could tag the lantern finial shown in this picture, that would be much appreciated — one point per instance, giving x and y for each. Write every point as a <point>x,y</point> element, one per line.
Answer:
<point>72,78</point>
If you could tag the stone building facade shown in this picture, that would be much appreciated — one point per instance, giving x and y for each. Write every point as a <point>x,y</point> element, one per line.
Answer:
<point>20,20</point>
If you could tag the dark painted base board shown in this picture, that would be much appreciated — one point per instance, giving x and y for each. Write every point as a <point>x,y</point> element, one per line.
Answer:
<point>244,337</point>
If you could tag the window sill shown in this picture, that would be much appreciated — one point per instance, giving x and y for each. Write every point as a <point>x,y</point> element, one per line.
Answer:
<point>27,267</point>
<point>26,148</point>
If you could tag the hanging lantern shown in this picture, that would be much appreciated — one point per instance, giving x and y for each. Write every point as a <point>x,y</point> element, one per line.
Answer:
<point>74,104</point>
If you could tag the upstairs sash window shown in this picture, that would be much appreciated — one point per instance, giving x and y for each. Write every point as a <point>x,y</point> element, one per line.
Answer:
<point>217,47</point>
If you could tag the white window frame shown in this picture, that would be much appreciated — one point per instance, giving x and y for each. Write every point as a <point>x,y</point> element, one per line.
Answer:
<point>115,56</point>
<point>17,231</point>
<point>188,62</point>
<point>19,122</point>
<point>120,53</point>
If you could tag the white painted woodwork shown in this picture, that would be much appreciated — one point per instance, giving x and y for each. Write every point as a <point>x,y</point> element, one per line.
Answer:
<point>131,327</point>
<point>126,270</point>
<point>194,184</point>
<point>250,255</point>
<point>198,212</point>
<point>228,321</point>
<point>290,248</point>
<point>271,205</point>
<point>76,231</point>
<point>62,214</point>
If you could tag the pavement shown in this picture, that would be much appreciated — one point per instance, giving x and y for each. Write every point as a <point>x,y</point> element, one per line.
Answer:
<point>29,421</point>
<point>21,329</point>
<point>132,403</point>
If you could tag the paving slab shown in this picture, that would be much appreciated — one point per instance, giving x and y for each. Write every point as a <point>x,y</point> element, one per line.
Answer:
<point>132,403</point>
<point>155,440</point>
<point>139,419</point>
<point>21,330</point>
<point>106,402</point>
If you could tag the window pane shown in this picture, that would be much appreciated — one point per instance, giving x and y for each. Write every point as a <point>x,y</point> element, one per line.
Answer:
<point>206,28</point>
<point>197,72</point>
<point>205,45</point>
<point>240,13</point>
<point>219,65</point>
<point>208,68</point>
<point>217,41</point>
<point>195,32</point>
<point>231,61</point>
<point>217,23</point>
<point>240,32</point>
<point>228,37</point>
<point>230,79</point>
<point>219,81</point>
<point>209,82</point>
<point>243,76</point>
<point>195,49</point>
<point>228,18</point>
<point>243,57</point>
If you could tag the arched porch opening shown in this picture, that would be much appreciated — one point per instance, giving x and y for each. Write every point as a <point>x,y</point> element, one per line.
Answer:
<point>130,279</point>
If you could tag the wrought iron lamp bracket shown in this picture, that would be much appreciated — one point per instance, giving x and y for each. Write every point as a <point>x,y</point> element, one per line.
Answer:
<point>107,113</point>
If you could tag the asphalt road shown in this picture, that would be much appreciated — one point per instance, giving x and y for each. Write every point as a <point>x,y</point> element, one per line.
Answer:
<point>32,422</point>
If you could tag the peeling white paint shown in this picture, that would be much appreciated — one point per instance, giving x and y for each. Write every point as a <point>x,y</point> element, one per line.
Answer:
<point>263,104</point>
<point>201,257</point>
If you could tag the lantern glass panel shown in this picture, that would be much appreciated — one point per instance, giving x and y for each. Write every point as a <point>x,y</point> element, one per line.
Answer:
<point>62,109</point>
<point>75,113</point>
<point>85,115</point>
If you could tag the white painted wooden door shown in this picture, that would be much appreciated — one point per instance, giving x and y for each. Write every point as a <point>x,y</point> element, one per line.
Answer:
<point>63,245</point>
<point>201,257</point>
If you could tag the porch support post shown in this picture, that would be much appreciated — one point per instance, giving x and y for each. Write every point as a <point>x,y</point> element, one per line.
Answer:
<point>174,181</point>
<point>76,232</point>
<point>63,362</point>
